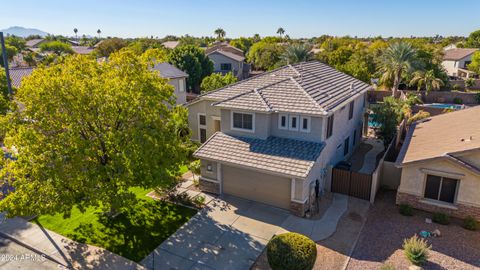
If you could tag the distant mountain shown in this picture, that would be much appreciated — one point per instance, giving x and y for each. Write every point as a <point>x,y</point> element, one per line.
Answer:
<point>23,32</point>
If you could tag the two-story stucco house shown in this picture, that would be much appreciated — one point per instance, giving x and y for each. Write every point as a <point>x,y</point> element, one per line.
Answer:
<point>227,58</point>
<point>455,62</point>
<point>270,137</point>
<point>440,163</point>
<point>175,77</point>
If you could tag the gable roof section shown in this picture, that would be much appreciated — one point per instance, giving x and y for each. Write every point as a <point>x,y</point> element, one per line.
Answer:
<point>34,42</point>
<point>169,71</point>
<point>17,75</point>
<point>230,55</point>
<point>458,53</point>
<point>442,136</point>
<point>310,87</point>
<point>276,155</point>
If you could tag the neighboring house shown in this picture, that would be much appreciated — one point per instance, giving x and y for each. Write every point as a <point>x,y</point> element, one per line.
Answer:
<point>170,44</point>
<point>440,163</point>
<point>175,77</point>
<point>227,58</point>
<point>455,62</point>
<point>17,74</point>
<point>270,137</point>
<point>82,49</point>
<point>35,43</point>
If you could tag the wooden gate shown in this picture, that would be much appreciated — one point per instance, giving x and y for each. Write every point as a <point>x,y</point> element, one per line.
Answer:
<point>351,183</point>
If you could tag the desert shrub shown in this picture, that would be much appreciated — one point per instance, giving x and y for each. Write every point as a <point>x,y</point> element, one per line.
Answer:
<point>470,223</point>
<point>406,209</point>
<point>457,87</point>
<point>291,251</point>
<point>457,100</point>
<point>441,218</point>
<point>416,250</point>
<point>199,201</point>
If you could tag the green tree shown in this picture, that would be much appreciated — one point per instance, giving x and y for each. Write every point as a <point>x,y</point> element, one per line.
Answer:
<point>428,80</point>
<point>143,44</point>
<point>17,42</point>
<point>194,62</point>
<point>296,53</point>
<point>56,47</point>
<point>280,31</point>
<point>216,81</point>
<point>220,33</point>
<point>99,32</point>
<point>109,46</point>
<point>473,40</point>
<point>75,30</point>
<point>469,83</point>
<point>90,131</point>
<point>397,60</point>
<point>242,43</point>
<point>11,52</point>
<point>265,55</point>
<point>475,64</point>
<point>388,114</point>
<point>30,58</point>
<point>155,55</point>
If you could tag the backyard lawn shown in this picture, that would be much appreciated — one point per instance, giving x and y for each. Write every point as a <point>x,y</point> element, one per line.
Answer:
<point>132,234</point>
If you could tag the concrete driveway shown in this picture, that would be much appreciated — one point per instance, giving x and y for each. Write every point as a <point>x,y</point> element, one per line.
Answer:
<point>230,233</point>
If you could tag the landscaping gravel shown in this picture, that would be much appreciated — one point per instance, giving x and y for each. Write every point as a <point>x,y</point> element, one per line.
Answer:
<point>385,229</point>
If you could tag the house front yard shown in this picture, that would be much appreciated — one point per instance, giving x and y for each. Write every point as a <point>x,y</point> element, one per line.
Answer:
<point>132,234</point>
<point>382,237</point>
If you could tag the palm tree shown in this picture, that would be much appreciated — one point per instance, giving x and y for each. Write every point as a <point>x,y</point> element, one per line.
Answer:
<point>75,30</point>
<point>99,32</point>
<point>280,31</point>
<point>399,58</point>
<point>427,79</point>
<point>296,53</point>
<point>220,33</point>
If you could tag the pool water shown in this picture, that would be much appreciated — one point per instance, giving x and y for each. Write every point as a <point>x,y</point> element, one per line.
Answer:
<point>444,106</point>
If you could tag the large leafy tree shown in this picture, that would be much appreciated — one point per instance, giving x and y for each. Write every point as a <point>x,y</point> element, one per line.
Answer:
<point>56,47</point>
<point>17,42</point>
<point>4,98</point>
<point>242,43</point>
<point>475,64</point>
<point>428,80</point>
<point>11,52</point>
<point>296,53</point>
<point>90,131</point>
<point>473,40</point>
<point>108,46</point>
<point>217,80</point>
<point>194,62</point>
<point>265,55</point>
<point>399,59</point>
<point>220,33</point>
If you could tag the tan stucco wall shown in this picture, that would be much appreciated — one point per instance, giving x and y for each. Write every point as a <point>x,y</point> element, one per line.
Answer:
<point>203,106</point>
<point>315,134</point>
<point>181,95</point>
<point>208,174</point>
<point>413,180</point>
<point>262,125</point>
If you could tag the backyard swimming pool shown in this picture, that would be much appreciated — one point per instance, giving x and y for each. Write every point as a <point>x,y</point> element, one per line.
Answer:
<point>445,106</point>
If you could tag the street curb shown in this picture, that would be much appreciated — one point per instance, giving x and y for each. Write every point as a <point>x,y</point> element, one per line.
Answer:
<point>21,243</point>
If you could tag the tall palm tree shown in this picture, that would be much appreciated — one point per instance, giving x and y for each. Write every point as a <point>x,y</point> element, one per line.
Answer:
<point>99,32</point>
<point>280,31</point>
<point>296,53</point>
<point>75,30</point>
<point>427,79</point>
<point>396,60</point>
<point>220,33</point>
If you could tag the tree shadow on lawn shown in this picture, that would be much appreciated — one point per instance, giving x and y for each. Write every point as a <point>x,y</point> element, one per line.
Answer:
<point>135,232</point>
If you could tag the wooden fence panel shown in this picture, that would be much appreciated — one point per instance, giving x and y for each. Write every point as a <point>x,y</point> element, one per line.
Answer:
<point>360,185</point>
<point>340,181</point>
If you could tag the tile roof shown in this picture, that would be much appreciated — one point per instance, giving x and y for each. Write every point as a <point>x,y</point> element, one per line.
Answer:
<point>82,49</point>
<point>17,74</point>
<point>230,55</point>
<point>169,71</point>
<point>33,42</point>
<point>309,87</point>
<point>170,44</point>
<point>290,157</point>
<point>442,135</point>
<point>224,46</point>
<point>458,53</point>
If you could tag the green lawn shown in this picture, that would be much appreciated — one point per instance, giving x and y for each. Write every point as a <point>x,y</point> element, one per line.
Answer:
<point>132,234</point>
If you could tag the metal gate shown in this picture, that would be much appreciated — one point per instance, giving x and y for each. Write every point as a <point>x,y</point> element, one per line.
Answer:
<point>351,183</point>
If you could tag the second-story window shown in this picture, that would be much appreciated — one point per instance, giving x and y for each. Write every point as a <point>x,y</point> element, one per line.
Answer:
<point>225,66</point>
<point>305,124</point>
<point>283,121</point>
<point>330,126</point>
<point>293,122</point>
<point>350,111</point>
<point>242,121</point>
<point>181,85</point>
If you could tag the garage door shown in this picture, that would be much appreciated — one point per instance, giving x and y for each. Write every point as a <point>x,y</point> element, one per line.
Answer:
<point>255,186</point>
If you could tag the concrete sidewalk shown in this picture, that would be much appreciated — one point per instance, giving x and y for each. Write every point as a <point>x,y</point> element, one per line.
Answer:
<point>370,159</point>
<point>63,251</point>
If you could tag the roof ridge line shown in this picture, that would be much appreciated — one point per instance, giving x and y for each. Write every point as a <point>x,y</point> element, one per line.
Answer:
<point>257,91</point>
<point>233,97</point>
<point>307,94</point>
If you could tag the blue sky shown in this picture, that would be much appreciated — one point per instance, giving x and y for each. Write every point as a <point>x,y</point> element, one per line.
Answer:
<point>300,18</point>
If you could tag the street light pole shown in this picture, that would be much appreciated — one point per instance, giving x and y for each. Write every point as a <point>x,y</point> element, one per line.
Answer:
<point>5,64</point>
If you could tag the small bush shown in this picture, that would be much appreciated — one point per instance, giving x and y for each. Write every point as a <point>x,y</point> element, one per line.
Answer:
<point>199,201</point>
<point>406,209</point>
<point>291,251</point>
<point>470,223</point>
<point>457,100</point>
<point>416,250</point>
<point>457,87</point>
<point>441,218</point>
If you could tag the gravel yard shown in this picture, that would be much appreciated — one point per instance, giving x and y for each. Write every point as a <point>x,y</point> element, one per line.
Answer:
<point>382,237</point>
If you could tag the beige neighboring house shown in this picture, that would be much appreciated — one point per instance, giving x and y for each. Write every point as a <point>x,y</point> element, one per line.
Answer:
<point>269,138</point>
<point>170,44</point>
<point>176,77</point>
<point>227,58</point>
<point>455,62</point>
<point>440,163</point>
<point>34,43</point>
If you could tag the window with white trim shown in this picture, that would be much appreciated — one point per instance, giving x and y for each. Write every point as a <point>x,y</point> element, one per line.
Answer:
<point>202,127</point>
<point>181,85</point>
<point>440,188</point>
<point>305,124</point>
<point>283,121</point>
<point>293,122</point>
<point>244,121</point>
